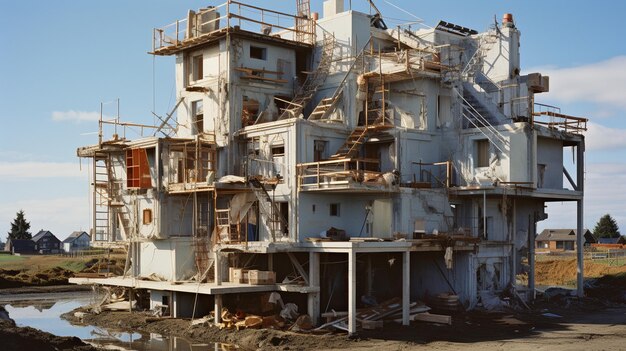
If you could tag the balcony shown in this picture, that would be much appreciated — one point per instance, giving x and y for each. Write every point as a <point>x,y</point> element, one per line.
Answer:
<point>345,175</point>
<point>214,22</point>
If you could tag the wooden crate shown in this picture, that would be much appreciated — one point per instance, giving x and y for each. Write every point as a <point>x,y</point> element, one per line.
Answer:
<point>238,275</point>
<point>256,277</point>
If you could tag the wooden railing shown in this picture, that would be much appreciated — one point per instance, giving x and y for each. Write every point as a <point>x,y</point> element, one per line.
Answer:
<point>317,175</point>
<point>230,14</point>
<point>551,117</point>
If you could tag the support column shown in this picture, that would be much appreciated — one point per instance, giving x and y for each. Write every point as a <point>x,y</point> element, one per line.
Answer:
<point>218,268</point>
<point>130,299</point>
<point>351,292</point>
<point>270,261</point>
<point>406,286</point>
<point>532,228</point>
<point>314,282</point>
<point>580,276</point>
<point>580,181</point>
<point>218,309</point>
<point>370,280</point>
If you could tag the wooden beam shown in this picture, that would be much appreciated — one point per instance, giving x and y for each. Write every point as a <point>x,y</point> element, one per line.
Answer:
<point>432,318</point>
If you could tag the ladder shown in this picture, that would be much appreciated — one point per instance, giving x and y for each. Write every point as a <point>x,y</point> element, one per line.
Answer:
<point>101,199</point>
<point>313,81</point>
<point>274,219</point>
<point>222,218</point>
<point>304,26</point>
<point>117,203</point>
<point>327,105</point>
<point>204,263</point>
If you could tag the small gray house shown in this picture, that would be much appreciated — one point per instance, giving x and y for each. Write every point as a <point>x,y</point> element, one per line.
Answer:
<point>46,242</point>
<point>76,241</point>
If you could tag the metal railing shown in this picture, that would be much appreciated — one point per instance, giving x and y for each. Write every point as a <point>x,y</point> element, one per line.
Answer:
<point>551,117</point>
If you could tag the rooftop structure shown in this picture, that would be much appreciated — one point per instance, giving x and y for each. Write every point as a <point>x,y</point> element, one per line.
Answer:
<point>413,161</point>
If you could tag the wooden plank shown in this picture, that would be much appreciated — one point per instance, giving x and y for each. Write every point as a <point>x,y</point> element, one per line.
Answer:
<point>432,318</point>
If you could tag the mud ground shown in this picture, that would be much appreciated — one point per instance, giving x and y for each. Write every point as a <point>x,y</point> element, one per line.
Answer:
<point>589,324</point>
<point>14,338</point>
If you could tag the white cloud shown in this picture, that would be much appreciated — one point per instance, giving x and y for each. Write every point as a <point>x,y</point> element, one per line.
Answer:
<point>59,215</point>
<point>602,83</point>
<point>599,137</point>
<point>29,170</point>
<point>605,192</point>
<point>76,116</point>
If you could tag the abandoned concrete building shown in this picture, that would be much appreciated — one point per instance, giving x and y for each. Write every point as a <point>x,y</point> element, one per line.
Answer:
<point>336,158</point>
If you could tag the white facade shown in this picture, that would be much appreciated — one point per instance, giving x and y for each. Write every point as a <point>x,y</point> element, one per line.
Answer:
<point>426,140</point>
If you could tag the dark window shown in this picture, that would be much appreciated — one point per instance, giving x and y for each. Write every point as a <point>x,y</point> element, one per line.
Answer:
<point>258,53</point>
<point>482,153</point>
<point>278,150</point>
<point>196,68</point>
<point>319,150</point>
<point>334,210</point>
<point>197,112</point>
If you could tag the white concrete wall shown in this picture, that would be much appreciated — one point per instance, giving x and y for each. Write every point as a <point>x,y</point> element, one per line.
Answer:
<point>550,154</point>
<point>503,59</point>
<point>170,259</point>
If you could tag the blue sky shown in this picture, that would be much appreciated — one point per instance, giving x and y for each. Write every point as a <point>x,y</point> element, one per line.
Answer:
<point>60,59</point>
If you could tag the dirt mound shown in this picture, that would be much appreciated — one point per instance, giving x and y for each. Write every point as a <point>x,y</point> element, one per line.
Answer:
<point>17,279</point>
<point>104,265</point>
<point>609,287</point>
<point>563,272</point>
<point>26,338</point>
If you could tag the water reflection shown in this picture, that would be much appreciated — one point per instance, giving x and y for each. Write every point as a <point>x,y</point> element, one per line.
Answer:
<point>43,311</point>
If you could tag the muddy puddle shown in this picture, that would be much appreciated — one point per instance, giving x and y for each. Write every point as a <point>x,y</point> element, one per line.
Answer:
<point>43,311</point>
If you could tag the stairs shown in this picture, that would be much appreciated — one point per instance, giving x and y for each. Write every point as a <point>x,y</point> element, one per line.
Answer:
<point>476,109</point>
<point>327,105</point>
<point>351,147</point>
<point>475,63</point>
<point>274,219</point>
<point>406,37</point>
<point>482,121</point>
<point>313,81</point>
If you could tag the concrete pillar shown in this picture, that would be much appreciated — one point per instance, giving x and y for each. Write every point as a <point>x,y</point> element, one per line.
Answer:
<point>218,267</point>
<point>218,309</point>
<point>580,181</point>
<point>532,228</point>
<point>580,276</point>
<point>406,286</point>
<point>370,278</point>
<point>314,282</point>
<point>270,261</point>
<point>351,292</point>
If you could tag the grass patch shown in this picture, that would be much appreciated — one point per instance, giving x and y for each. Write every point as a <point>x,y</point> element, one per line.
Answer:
<point>10,259</point>
<point>73,265</point>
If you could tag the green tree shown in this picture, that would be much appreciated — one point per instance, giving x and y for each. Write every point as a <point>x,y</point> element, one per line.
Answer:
<point>606,228</point>
<point>20,227</point>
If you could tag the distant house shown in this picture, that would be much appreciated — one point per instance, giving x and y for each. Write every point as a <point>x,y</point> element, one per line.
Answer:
<point>561,239</point>
<point>620,240</point>
<point>46,242</point>
<point>20,246</point>
<point>76,241</point>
